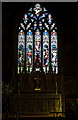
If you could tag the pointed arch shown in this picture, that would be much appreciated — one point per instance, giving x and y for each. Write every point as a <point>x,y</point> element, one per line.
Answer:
<point>37,42</point>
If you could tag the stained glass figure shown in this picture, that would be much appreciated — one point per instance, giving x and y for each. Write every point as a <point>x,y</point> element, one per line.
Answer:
<point>54,58</point>
<point>37,49</point>
<point>37,9</point>
<point>29,51</point>
<point>21,51</point>
<point>45,51</point>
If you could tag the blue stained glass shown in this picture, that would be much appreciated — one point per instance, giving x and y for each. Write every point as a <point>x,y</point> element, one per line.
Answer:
<point>25,18</point>
<point>40,17</point>
<point>21,51</point>
<point>29,51</point>
<point>44,9</point>
<point>35,25</point>
<point>45,51</point>
<point>29,13</point>
<point>35,17</point>
<point>54,57</point>
<point>42,24</point>
<point>53,47</point>
<point>30,9</point>
<point>37,49</point>
<point>43,15</point>
<point>40,28</point>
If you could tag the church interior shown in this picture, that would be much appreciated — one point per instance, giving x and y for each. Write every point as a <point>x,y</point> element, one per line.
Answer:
<point>39,60</point>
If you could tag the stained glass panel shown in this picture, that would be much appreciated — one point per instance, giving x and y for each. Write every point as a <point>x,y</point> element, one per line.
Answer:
<point>45,51</point>
<point>30,9</point>
<point>21,51</point>
<point>22,26</point>
<point>47,26</point>
<point>43,16</point>
<point>37,9</point>
<point>25,18</point>
<point>37,49</point>
<point>35,25</point>
<point>54,58</point>
<point>49,19</point>
<point>44,9</point>
<point>29,51</point>
<point>52,26</point>
<point>40,25</point>
<point>28,26</point>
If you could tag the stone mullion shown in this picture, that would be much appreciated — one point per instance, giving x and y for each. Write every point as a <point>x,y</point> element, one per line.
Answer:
<point>41,51</point>
<point>49,51</point>
<point>25,49</point>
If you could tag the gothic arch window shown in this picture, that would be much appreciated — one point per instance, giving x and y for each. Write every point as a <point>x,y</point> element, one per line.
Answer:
<point>37,42</point>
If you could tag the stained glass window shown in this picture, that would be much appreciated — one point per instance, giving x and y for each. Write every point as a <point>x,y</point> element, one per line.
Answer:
<point>37,41</point>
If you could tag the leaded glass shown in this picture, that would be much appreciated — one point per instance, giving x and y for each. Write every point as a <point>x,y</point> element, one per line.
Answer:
<point>35,25</point>
<point>25,18</point>
<point>30,9</point>
<point>34,39</point>
<point>21,51</point>
<point>37,9</point>
<point>28,26</point>
<point>37,49</point>
<point>40,25</point>
<point>22,26</point>
<point>29,51</point>
<point>49,19</point>
<point>52,26</point>
<point>47,26</point>
<point>44,9</point>
<point>45,51</point>
<point>54,58</point>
